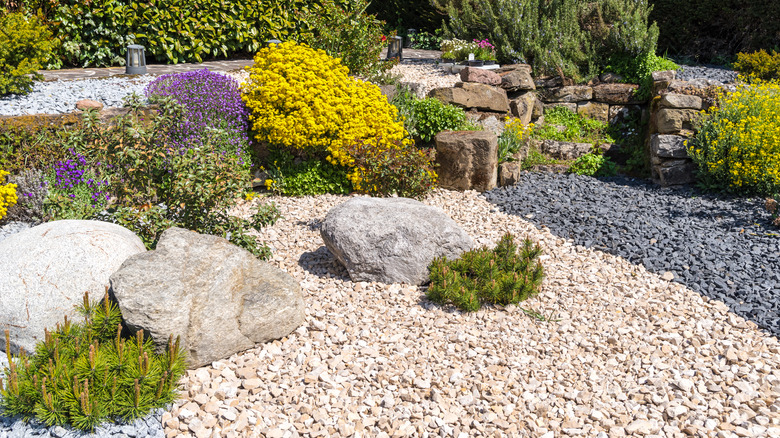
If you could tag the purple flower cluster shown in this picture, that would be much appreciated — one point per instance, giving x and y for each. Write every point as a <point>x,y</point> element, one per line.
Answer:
<point>71,173</point>
<point>212,102</point>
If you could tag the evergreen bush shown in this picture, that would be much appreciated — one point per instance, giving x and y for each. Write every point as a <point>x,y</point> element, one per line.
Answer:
<point>85,374</point>
<point>560,37</point>
<point>502,275</point>
<point>25,47</point>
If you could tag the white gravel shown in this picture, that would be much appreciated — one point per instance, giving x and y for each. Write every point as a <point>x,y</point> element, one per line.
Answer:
<point>626,353</point>
<point>60,97</point>
<point>422,78</point>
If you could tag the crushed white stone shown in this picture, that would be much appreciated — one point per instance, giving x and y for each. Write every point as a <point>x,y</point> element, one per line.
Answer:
<point>422,78</point>
<point>623,352</point>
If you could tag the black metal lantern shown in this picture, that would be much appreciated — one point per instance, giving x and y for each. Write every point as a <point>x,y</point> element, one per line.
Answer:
<point>136,60</point>
<point>395,48</point>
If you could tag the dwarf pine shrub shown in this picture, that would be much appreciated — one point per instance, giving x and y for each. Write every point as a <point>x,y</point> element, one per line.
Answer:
<point>502,275</point>
<point>85,374</point>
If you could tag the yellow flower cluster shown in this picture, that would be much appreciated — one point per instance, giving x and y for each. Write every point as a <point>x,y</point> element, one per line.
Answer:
<point>8,196</point>
<point>738,145</point>
<point>303,99</point>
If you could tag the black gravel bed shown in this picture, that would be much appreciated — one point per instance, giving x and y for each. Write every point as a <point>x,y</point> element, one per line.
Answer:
<point>713,72</point>
<point>722,247</point>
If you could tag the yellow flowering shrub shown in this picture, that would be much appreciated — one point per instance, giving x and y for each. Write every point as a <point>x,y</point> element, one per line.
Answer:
<point>7,195</point>
<point>304,101</point>
<point>737,147</point>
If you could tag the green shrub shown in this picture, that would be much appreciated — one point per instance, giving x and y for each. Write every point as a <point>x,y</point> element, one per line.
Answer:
<point>759,64</point>
<point>424,118</point>
<point>639,70</point>
<point>562,124</point>
<point>426,41</point>
<point>498,276</point>
<point>431,117</point>
<point>561,37</point>
<point>85,374</point>
<point>96,33</point>
<point>737,146</point>
<point>348,33</point>
<point>25,46</point>
<point>593,164</point>
<point>395,169</point>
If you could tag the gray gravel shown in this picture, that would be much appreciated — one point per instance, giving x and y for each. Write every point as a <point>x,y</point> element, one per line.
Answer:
<point>724,248</point>
<point>712,72</point>
<point>60,97</point>
<point>12,228</point>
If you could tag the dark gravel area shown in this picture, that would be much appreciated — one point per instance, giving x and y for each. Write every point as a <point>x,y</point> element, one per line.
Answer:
<point>711,72</point>
<point>722,247</point>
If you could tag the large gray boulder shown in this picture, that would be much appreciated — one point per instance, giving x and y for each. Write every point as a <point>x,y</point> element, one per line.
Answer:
<point>391,240</point>
<point>47,269</point>
<point>219,298</point>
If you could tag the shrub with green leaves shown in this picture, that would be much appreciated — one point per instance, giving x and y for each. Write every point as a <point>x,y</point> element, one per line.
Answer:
<point>396,168</point>
<point>593,164</point>
<point>639,70</point>
<point>424,118</point>
<point>86,374</point>
<point>25,47</point>
<point>504,275</point>
<point>560,37</point>
<point>346,32</point>
<point>96,33</point>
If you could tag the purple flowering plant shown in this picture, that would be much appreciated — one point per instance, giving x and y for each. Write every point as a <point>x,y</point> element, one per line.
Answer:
<point>75,188</point>
<point>484,50</point>
<point>213,113</point>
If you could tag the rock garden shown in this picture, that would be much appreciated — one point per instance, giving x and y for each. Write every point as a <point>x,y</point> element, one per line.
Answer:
<point>539,228</point>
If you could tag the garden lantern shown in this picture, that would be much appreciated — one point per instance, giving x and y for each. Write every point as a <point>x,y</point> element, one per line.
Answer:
<point>395,48</point>
<point>136,60</point>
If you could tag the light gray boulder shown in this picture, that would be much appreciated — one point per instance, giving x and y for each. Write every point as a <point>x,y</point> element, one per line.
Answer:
<point>47,269</point>
<point>391,240</point>
<point>219,298</point>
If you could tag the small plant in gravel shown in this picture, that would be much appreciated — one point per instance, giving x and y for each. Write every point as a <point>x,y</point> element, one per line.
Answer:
<point>86,374</point>
<point>771,206</point>
<point>504,275</point>
<point>290,177</point>
<point>593,164</point>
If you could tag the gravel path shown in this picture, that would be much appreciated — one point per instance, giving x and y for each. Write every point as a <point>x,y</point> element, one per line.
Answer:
<point>723,248</point>
<point>626,352</point>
